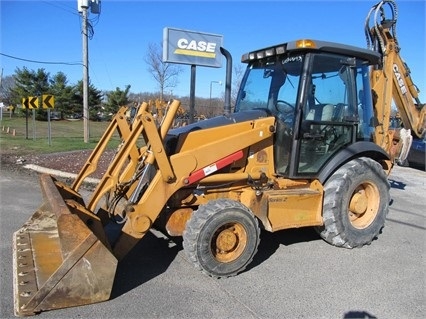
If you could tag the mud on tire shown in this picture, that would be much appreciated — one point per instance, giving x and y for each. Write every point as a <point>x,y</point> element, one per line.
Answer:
<point>356,203</point>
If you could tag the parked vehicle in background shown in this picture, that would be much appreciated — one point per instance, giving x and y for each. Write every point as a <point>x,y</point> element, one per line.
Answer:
<point>417,156</point>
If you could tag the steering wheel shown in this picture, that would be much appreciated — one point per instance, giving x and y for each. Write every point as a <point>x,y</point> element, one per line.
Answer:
<point>285,111</point>
<point>284,107</point>
<point>285,114</point>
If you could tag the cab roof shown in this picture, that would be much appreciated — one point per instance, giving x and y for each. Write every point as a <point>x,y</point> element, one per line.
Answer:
<point>312,45</point>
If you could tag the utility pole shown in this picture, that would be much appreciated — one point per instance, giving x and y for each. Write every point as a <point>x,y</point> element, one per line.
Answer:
<point>84,8</point>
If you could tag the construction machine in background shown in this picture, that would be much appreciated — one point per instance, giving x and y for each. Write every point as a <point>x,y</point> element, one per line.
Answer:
<point>307,145</point>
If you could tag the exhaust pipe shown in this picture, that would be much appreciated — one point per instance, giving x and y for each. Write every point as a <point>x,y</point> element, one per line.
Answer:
<point>228,81</point>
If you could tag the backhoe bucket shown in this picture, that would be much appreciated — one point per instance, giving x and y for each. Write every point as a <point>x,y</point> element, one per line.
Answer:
<point>61,257</point>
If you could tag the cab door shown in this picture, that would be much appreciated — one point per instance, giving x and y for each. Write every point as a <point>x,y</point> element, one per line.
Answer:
<point>328,114</point>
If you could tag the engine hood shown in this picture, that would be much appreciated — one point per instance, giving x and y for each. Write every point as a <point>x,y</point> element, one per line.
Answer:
<point>222,120</point>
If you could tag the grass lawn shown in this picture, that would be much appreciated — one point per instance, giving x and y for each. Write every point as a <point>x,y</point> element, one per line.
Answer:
<point>32,136</point>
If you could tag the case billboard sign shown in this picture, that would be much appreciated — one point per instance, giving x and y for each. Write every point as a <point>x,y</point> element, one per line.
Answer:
<point>191,47</point>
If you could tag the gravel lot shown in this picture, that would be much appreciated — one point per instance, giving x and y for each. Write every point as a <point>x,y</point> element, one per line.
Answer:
<point>70,162</point>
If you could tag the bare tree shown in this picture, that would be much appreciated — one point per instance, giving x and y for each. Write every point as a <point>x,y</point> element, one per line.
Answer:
<point>165,74</point>
<point>6,86</point>
<point>236,82</point>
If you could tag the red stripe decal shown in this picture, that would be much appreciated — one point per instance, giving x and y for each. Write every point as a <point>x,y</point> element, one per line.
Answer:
<point>203,172</point>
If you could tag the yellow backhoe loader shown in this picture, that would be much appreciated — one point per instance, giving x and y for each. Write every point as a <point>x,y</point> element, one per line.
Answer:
<point>308,143</point>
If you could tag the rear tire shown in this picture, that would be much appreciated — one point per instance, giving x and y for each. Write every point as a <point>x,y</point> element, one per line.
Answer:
<point>356,203</point>
<point>221,238</point>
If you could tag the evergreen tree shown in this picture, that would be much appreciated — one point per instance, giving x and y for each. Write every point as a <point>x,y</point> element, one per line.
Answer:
<point>95,100</point>
<point>63,94</point>
<point>30,83</point>
<point>117,99</point>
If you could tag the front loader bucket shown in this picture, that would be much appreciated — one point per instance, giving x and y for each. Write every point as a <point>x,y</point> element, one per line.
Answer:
<point>61,257</point>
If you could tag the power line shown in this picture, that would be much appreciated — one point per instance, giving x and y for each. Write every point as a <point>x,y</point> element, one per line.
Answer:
<point>63,6</point>
<point>40,62</point>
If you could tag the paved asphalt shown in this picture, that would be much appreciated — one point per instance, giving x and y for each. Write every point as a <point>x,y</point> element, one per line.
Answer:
<point>294,275</point>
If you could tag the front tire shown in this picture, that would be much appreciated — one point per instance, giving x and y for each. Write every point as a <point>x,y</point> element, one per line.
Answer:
<point>221,238</point>
<point>356,203</point>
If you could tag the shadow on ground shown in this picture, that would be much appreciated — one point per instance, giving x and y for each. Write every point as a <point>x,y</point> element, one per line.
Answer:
<point>153,255</point>
<point>148,259</point>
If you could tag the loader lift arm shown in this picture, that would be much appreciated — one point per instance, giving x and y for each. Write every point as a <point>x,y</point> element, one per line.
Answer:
<point>75,233</point>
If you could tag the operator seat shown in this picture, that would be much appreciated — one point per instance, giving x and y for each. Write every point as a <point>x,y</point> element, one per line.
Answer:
<point>321,112</point>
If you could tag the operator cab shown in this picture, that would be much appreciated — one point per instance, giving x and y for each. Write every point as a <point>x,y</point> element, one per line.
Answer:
<point>319,92</point>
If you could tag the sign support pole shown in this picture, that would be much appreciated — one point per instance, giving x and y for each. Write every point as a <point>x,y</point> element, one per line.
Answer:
<point>34,126</point>
<point>49,130</point>
<point>48,102</point>
<point>26,123</point>
<point>192,94</point>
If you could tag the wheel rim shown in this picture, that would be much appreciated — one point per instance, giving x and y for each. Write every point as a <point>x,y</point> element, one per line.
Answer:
<point>228,242</point>
<point>364,205</point>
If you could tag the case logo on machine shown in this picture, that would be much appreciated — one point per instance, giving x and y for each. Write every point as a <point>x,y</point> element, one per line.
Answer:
<point>196,48</point>
<point>399,79</point>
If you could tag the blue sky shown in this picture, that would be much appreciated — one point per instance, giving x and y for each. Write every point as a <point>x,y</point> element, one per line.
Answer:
<point>50,31</point>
